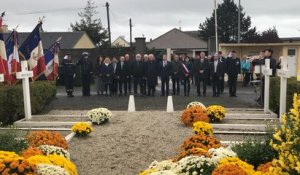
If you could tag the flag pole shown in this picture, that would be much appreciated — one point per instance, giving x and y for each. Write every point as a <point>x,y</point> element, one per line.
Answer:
<point>216,26</point>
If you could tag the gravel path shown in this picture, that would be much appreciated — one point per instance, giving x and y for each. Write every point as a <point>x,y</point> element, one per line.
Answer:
<point>130,142</point>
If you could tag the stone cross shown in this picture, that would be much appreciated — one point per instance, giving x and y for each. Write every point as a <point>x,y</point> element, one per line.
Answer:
<point>25,75</point>
<point>1,78</point>
<point>267,72</point>
<point>284,74</point>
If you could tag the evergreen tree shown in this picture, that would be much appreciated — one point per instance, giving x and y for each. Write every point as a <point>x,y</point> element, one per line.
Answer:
<point>227,16</point>
<point>93,27</point>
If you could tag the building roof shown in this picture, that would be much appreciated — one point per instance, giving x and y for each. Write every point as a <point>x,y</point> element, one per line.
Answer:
<point>257,44</point>
<point>121,40</point>
<point>291,39</point>
<point>177,39</point>
<point>68,41</point>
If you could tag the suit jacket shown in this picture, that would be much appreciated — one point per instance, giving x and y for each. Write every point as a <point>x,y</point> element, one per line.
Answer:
<point>165,72</point>
<point>233,66</point>
<point>122,73</point>
<point>220,69</point>
<point>177,69</point>
<point>198,66</point>
<point>138,69</point>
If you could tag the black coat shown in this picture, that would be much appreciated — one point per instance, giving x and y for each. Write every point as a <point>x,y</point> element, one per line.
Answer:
<point>177,71</point>
<point>220,69</point>
<point>68,68</point>
<point>198,66</point>
<point>233,66</point>
<point>107,73</point>
<point>86,66</point>
<point>122,73</point>
<point>165,72</point>
<point>151,73</point>
<point>97,70</point>
<point>138,69</point>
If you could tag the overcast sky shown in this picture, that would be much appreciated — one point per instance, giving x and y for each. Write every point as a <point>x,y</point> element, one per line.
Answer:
<point>150,18</point>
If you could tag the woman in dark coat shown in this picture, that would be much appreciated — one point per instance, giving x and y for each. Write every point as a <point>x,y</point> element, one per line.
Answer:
<point>107,73</point>
<point>187,66</point>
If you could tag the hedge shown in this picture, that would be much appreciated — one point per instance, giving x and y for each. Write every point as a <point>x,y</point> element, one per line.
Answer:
<point>11,100</point>
<point>293,86</point>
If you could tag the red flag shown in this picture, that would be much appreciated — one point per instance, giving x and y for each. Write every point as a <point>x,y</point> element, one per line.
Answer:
<point>32,51</point>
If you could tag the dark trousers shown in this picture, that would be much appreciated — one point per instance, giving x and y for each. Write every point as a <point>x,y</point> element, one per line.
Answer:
<point>144,86</point>
<point>124,84</point>
<point>108,88</point>
<point>165,86</point>
<point>222,84</point>
<point>232,79</point>
<point>129,83</point>
<point>69,81</point>
<point>186,86</point>
<point>203,80</point>
<point>138,81</point>
<point>175,85</point>
<point>216,85</point>
<point>114,86</point>
<point>151,90</point>
<point>86,83</point>
<point>246,79</point>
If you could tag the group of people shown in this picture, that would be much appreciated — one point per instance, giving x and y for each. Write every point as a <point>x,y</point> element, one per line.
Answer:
<point>118,76</point>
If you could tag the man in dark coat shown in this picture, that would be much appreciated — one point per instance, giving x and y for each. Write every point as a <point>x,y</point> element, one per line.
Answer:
<point>233,69</point>
<point>176,75</point>
<point>68,70</point>
<point>151,72</point>
<point>86,73</point>
<point>145,83</point>
<point>115,79</point>
<point>122,75</point>
<point>129,77</point>
<point>107,72</point>
<point>138,74</point>
<point>216,73</point>
<point>223,60</point>
<point>165,71</point>
<point>201,72</point>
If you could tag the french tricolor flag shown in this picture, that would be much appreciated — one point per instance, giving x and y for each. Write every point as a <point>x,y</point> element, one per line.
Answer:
<point>51,60</point>
<point>32,51</point>
<point>3,56</point>
<point>12,52</point>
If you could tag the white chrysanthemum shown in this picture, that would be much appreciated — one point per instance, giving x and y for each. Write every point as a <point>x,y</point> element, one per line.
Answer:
<point>164,172</point>
<point>220,153</point>
<point>191,163</point>
<point>99,115</point>
<point>48,149</point>
<point>45,169</point>
<point>163,165</point>
<point>195,103</point>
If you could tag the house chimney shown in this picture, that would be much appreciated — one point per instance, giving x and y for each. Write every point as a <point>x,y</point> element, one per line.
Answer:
<point>5,28</point>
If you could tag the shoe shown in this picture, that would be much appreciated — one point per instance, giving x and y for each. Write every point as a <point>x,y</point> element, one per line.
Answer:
<point>235,96</point>
<point>204,94</point>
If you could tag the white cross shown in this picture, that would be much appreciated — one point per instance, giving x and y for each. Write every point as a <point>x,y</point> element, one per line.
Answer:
<point>25,75</point>
<point>1,78</point>
<point>284,74</point>
<point>267,72</point>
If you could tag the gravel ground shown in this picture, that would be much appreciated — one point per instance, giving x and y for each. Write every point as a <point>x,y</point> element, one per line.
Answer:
<point>130,142</point>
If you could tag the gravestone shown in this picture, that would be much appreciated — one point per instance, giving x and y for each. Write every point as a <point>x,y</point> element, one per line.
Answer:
<point>25,75</point>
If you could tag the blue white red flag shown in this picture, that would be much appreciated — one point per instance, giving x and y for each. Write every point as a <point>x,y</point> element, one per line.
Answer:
<point>12,52</point>
<point>32,51</point>
<point>51,61</point>
<point>3,57</point>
